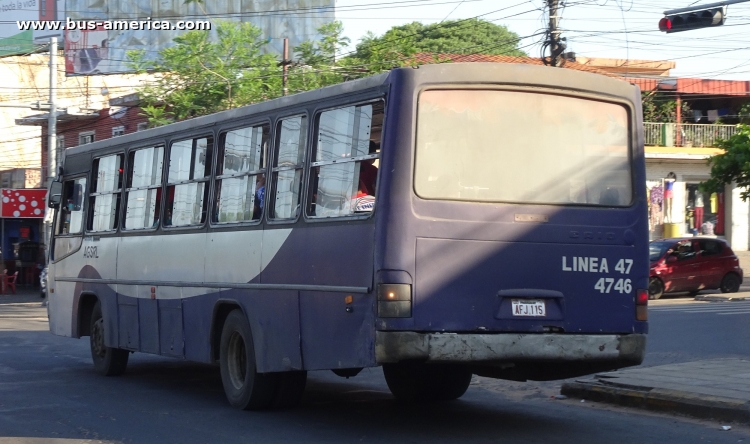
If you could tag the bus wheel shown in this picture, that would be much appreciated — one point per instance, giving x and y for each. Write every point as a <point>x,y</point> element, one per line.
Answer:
<point>413,382</point>
<point>108,361</point>
<point>290,389</point>
<point>655,288</point>
<point>730,283</point>
<point>246,389</point>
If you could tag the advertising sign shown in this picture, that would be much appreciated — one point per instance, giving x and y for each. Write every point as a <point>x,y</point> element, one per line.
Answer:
<point>34,16</point>
<point>105,30</point>
<point>16,203</point>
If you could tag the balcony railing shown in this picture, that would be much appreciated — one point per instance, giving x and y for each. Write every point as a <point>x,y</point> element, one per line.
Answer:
<point>690,134</point>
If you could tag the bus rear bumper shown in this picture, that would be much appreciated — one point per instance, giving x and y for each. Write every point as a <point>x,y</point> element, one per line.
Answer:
<point>501,349</point>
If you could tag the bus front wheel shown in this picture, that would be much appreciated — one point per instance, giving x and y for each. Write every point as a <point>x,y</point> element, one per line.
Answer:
<point>246,389</point>
<point>416,382</point>
<point>108,361</point>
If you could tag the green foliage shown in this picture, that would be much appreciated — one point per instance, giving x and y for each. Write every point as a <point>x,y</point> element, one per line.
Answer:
<point>473,36</point>
<point>198,76</point>
<point>733,165</point>
<point>658,108</point>
<point>744,113</point>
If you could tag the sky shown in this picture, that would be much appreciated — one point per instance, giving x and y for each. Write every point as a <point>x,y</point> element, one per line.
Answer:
<point>625,29</point>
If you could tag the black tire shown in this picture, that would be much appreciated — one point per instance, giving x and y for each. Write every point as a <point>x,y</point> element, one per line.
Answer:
<point>108,361</point>
<point>291,387</point>
<point>413,382</point>
<point>730,283</point>
<point>246,389</point>
<point>655,288</point>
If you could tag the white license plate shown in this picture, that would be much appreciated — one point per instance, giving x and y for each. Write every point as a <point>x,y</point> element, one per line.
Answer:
<point>528,307</point>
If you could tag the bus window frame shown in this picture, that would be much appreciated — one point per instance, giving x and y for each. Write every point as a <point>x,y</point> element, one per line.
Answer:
<point>203,132</point>
<point>312,145</point>
<point>89,195</point>
<point>600,97</point>
<point>153,144</point>
<point>213,199</point>
<point>271,190</point>
<point>58,214</point>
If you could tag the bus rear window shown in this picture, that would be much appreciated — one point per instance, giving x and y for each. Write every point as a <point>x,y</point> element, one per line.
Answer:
<point>511,146</point>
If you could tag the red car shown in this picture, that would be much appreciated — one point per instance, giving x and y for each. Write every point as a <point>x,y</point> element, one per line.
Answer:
<point>692,264</point>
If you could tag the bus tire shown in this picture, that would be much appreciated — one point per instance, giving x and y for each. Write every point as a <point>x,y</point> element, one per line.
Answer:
<point>416,382</point>
<point>108,361</point>
<point>246,389</point>
<point>291,387</point>
<point>730,283</point>
<point>655,288</point>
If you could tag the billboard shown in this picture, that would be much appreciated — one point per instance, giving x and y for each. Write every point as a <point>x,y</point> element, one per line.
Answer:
<point>22,203</point>
<point>33,14</point>
<point>114,27</point>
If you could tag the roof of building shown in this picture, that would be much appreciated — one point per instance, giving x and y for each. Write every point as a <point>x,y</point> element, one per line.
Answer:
<point>427,58</point>
<point>686,85</point>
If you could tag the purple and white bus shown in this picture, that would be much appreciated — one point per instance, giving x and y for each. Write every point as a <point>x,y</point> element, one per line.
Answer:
<point>438,221</point>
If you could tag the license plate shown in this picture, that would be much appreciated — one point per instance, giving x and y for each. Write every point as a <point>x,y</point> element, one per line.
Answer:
<point>528,307</point>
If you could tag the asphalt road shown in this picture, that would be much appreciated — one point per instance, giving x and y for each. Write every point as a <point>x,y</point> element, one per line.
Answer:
<point>50,394</point>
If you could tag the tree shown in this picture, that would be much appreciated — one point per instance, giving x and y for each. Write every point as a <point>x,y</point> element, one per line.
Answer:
<point>733,165</point>
<point>198,76</point>
<point>473,36</point>
<point>658,108</point>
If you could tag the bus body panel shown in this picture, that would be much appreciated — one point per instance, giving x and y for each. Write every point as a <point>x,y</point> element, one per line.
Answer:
<point>468,285</point>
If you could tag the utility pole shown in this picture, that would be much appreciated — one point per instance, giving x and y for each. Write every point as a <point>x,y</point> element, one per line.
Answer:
<point>51,138</point>
<point>286,62</point>
<point>554,34</point>
<point>52,119</point>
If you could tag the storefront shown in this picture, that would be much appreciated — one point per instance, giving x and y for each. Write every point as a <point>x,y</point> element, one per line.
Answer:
<point>677,206</point>
<point>21,232</point>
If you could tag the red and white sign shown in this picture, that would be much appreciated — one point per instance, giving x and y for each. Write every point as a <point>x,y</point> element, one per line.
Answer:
<point>22,203</point>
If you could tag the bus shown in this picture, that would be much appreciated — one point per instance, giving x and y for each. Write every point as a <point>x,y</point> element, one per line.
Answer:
<point>441,221</point>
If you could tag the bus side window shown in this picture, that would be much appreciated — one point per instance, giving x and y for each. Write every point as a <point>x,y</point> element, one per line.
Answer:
<point>343,177</point>
<point>187,182</point>
<point>143,188</point>
<point>70,213</point>
<point>104,199</point>
<point>240,174</point>
<point>288,167</point>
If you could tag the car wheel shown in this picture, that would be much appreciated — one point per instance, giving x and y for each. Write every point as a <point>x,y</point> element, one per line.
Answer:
<point>655,288</point>
<point>246,389</point>
<point>108,361</point>
<point>730,283</point>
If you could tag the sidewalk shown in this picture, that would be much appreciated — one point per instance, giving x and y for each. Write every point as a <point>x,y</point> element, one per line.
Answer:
<point>23,294</point>
<point>716,389</point>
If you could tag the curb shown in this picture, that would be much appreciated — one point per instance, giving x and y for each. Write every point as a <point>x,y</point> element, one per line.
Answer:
<point>708,298</point>
<point>663,400</point>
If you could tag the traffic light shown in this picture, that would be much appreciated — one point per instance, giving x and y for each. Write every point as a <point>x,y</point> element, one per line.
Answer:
<point>686,21</point>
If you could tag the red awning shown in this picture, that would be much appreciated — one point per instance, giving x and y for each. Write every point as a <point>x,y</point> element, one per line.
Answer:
<point>22,203</point>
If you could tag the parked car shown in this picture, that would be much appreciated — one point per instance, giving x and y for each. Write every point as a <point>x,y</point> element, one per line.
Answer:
<point>43,282</point>
<point>692,264</point>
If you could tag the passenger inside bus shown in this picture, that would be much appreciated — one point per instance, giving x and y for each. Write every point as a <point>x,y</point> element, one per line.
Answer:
<point>368,177</point>
<point>260,196</point>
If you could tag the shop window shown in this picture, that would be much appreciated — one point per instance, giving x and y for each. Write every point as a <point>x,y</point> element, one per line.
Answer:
<point>70,214</point>
<point>104,198</point>
<point>701,211</point>
<point>240,174</point>
<point>143,192</point>
<point>289,161</point>
<point>187,181</point>
<point>118,131</point>
<point>344,170</point>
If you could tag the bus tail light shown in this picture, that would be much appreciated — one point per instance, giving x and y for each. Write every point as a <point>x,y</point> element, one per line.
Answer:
<point>641,305</point>
<point>394,300</point>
